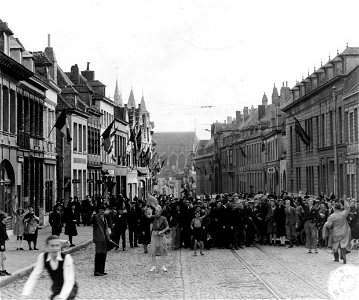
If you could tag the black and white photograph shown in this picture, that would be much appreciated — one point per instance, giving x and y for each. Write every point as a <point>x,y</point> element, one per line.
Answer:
<point>179,149</point>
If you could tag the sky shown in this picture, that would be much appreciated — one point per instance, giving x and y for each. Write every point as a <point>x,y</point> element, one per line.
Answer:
<point>183,55</point>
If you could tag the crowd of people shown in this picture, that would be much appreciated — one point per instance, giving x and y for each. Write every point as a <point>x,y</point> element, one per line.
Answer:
<point>223,221</point>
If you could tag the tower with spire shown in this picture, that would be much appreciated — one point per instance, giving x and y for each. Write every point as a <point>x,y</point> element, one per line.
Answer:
<point>265,100</point>
<point>117,96</point>
<point>143,104</point>
<point>275,96</point>
<point>131,100</point>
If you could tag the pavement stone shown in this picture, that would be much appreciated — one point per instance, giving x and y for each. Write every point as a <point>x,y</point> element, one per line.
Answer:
<point>216,275</point>
<point>17,260</point>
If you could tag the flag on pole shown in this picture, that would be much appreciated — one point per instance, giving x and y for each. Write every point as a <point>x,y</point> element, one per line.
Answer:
<point>242,151</point>
<point>106,135</point>
<point>62,124</point>
<point>301,132</point>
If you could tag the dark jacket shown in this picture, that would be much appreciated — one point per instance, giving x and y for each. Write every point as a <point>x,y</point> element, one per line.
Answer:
<point>3,235</point>
<point>311,215</point>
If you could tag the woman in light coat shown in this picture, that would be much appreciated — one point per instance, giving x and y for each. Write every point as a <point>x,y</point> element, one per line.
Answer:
<point>339,229</point>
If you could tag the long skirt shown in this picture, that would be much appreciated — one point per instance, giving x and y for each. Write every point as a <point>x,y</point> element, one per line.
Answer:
<point>158,244</point>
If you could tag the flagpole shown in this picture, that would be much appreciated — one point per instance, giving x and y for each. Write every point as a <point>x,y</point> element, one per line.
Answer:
<point>335,144</point>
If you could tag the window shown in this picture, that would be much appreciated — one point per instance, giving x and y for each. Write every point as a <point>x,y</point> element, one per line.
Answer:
<point>346,120</point>
<point>5,109</point>
<point>322,131</point>
<point>291,148</point>
<point>298,178</point>
<point>318,130</point>
<point>12,114</point>
<point>351,127</point>
<point>356,125</point>
<point>84,138</point>
<point>231,157</point>
<point>80,138</point>
<point>340,127</point>
<point>75,138</point>
<point>331,128</point>
<point>74,182</point>
<point>79,186</point>
<point>83,185</point>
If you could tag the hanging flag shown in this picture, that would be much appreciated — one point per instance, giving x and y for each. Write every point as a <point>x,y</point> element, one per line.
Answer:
<point>263,146</point>
<point>301,132</point>
<point>139,139</point>
<point>62,124</point>
<point>204,169</point>
<point>242,151</point>
<point>106,135</point>
<point>133,136</point>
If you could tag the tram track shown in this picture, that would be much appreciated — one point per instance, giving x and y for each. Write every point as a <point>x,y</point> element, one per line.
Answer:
<point>262,280</point>
<point>278,278</point>
<point>294,273</point>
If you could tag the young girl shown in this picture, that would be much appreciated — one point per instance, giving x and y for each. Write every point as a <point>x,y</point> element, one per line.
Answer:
<point>3,238</point>
<point>31,222</point>
<point>196,226</point>
<point>19,226</point>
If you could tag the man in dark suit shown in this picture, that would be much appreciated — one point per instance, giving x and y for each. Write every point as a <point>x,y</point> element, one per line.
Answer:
<point>100,237</point>
<point>311,217</point>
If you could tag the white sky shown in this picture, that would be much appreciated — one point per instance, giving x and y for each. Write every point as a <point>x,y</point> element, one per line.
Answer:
<point>184,54</point>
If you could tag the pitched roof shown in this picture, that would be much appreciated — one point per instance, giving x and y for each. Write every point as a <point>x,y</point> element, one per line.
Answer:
<point>5,28</point>
<point>350,51</point>
<point>16,44</point>
<point>41,58</point>
<point>61,75</point>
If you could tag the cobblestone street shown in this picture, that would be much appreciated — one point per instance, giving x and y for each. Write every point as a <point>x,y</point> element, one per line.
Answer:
<point>264,272</point>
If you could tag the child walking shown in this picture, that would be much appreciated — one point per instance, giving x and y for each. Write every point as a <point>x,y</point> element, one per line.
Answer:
<point>196,226</point>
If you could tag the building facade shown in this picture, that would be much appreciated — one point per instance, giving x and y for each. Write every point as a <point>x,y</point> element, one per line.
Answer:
<point>324,165</point>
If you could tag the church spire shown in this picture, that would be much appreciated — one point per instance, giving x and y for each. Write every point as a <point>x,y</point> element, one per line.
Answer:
<point>143,104</point>
<point>117,96</point>
<point>131,100</point>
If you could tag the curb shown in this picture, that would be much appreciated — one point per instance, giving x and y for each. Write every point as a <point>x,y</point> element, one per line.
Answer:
<point>27,270</point>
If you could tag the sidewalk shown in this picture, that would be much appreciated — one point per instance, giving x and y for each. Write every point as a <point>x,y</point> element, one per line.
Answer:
<point>17,260</point>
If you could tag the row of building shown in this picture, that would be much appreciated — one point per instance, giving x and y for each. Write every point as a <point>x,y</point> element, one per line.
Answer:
<point>266,149</point>
<point>38,165</point>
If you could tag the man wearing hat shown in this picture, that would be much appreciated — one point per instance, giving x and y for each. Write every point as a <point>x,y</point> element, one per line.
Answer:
<point>100,236</point>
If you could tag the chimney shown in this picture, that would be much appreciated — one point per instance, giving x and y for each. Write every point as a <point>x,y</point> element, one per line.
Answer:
<point>261,111</point>
<point>74,75</point>
<point>89,75</point>
<point>238,117</point>
<point>48,40</point>
<point>229,120</point>
<point>245,113</point>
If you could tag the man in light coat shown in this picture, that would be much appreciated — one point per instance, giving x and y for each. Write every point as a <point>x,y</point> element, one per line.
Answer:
<point>339,231</point>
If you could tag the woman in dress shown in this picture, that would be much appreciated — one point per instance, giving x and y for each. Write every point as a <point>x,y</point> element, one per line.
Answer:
<point>271,225</point>
<point>31,223</point>
<point>19,215</point>
<point>158,242</point>
<point>71,221</point>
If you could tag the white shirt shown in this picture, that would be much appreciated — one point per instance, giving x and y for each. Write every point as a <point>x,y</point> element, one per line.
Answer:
<point>69,274</point>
